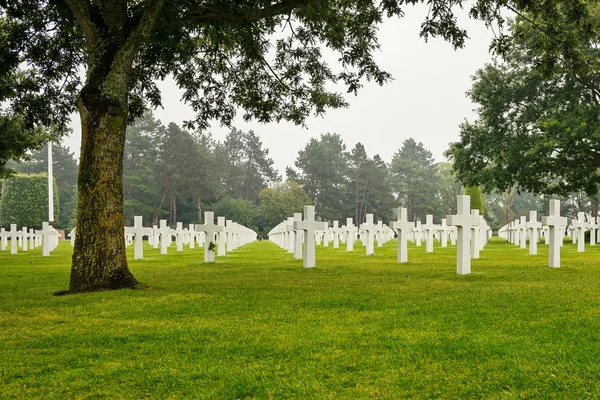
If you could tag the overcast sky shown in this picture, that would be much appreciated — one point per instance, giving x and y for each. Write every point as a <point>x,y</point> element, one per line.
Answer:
<point>426,100</point>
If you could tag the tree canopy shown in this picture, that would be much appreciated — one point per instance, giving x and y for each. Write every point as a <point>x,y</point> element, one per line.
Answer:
<point>262,56</point>
<point>537,125</point>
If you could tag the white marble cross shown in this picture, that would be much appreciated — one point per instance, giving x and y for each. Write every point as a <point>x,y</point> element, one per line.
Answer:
<point>463,220</point>
<point>475,235</point>
<point>592,226</point>
<point>14,234</point>
<point>298,237</point>
<point>139,232</point>
<point>309,226</point>
<point>232,235</point>
<point>579,227</point>
<point>24,238</point>
<point>336,231</point>
<point>350,230</point>
<point>523,231</point>
<point>418,233</point>
<point>3,239</point>
<point>49,235</point>
<point>534,226</point>
<point>290,235</point>
<point>429,229</point>
<point>444,230</point>
<point>179,236</point>
<point>516,233</point>
<point>192,236</point>
<point>210,229</point>
<point>555,224</point>
<point>165,236</point>
<point>403,226</point>
<point>369,229</point>
<point>222,247</point>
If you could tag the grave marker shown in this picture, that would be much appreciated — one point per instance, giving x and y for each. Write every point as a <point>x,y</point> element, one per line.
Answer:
<point>463,221</point>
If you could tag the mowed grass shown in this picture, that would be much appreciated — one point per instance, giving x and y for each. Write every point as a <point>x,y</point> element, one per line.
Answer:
<point>255,324</point>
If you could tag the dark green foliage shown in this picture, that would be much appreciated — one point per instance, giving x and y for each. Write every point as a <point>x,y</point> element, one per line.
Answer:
<point>248,168</point>
<point>322,173</point>
<point>537,126</point>
<point>368,186</point>
<point>15,141</point>
<point>238,210</point>
<point>279,202</point>
<point>64,170</point>
<point>414,180</point>
<point>24,201</point>
<point>476,198</point>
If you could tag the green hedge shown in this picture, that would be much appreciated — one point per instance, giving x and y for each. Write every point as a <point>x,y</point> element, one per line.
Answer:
<point>24,201</point>
<point>476,198</point>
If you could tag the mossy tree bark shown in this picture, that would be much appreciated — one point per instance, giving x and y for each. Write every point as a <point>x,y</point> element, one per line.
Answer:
<point>99,258</point>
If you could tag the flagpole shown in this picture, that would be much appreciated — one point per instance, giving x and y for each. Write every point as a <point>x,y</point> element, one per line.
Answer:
<point>50,187</point>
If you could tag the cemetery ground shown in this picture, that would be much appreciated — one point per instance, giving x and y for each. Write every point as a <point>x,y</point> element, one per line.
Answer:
<point>256,324</point>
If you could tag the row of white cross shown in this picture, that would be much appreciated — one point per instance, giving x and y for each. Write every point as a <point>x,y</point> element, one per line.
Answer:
<point>25,238</point>
<point>227,234</point>
<point>468,227</point>
<point>553,229</point>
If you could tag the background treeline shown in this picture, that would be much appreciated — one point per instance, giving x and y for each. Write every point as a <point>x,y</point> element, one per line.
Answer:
<point>176,174</point>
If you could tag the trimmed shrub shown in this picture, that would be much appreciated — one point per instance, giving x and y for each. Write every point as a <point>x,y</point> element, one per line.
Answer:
<point>24,201</point>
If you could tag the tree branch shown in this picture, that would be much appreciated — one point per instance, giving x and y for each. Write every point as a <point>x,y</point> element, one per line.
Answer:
<point>81,10</point>
<point>206,14</point>
<point>140,32</point>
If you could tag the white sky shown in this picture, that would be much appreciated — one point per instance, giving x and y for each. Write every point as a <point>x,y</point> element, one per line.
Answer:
<point>426,100</point>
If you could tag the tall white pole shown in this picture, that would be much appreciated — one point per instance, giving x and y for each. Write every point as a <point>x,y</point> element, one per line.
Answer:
<point>50,187</point>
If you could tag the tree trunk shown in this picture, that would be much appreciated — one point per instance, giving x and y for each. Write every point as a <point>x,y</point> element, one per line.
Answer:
<point>99,258</point>
<point>199,209</point>
<point>112,43</point>
<point>173,212</point>
<point>508,198</point>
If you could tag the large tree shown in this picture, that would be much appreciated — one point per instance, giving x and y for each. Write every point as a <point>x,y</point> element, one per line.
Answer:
<point>537,127</point>
<point>322,173</point>
<point>414,179</point>
<point>224,54</point>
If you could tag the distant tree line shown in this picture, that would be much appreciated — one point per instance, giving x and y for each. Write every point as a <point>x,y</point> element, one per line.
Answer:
<point>176,174</point>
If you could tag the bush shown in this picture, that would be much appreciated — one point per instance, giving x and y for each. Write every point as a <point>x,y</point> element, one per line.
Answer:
<point>24,201</point>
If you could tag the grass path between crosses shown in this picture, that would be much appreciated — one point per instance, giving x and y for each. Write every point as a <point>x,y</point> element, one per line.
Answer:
<point>255,324</point>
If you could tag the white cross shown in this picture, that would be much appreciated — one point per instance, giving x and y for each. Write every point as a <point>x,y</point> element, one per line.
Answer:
<point>523,231</point>
<point>369,228</point>
<point>444,229</point>
<point>3,239</point>
<point>350,231</point>
<point>14,235</point>
<point>555,225</point>
<point>475,236</point>
<point>48,232</point>
<point>430,229</point>
<point>24,238</point>
<point>297,237</point>
<point>309,226</point>
<point>403,227</point>
<point>533,225</point>
<point>592,226</point>
<point>418,233</point>
<point>165,235</point>
<point>336,231</point>
<point>138,231</point>
<point>232,235</point>
<point>289,239</point>
<point>463,220</point>
<point>580,225</point>
<point>210,229</point>
<point>222,248</point>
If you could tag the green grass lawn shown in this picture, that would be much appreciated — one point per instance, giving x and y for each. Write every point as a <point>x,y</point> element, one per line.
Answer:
<point>255,324</point>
